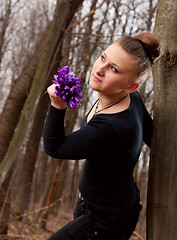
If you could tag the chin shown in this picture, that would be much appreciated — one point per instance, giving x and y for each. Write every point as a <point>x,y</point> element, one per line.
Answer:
<point>93,85</point>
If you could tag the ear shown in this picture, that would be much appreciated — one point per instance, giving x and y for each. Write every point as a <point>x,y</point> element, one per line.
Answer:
<point>132,87</point>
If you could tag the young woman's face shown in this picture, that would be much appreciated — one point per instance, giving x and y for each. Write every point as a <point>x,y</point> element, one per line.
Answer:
<point>115,70</point>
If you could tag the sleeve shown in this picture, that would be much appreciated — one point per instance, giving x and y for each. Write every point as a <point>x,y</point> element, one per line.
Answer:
<point>80,144</point>
<point>147,127</point>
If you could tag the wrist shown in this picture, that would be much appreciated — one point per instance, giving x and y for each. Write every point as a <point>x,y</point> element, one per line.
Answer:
<point>60,105</point>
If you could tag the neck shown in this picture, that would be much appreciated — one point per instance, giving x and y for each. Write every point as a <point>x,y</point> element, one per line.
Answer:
<point>106,100</point>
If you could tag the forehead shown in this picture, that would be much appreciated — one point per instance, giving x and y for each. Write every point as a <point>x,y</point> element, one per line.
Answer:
<point>117,55</point>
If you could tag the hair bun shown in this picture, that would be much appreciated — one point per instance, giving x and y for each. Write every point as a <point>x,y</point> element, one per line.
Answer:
<point>151,43</point>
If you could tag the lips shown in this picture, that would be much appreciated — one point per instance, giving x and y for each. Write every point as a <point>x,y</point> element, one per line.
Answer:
<point>96,79</point>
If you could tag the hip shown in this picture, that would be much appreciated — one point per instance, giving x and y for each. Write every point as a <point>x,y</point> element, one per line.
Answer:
<point>107,226</point>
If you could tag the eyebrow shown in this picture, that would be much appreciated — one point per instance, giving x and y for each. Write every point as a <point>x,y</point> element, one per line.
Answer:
<point>114,63</point>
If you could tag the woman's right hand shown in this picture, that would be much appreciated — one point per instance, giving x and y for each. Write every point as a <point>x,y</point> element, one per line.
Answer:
<point>55,102</point>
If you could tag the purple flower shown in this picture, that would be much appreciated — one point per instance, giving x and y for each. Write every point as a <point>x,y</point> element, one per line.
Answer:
<point>69,88</point>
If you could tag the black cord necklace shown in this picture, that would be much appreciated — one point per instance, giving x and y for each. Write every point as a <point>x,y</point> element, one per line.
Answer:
<point>108,105</point>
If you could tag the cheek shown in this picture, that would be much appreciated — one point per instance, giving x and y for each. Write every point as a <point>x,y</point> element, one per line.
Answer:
<point>96,64</point>
<point>116,84</point>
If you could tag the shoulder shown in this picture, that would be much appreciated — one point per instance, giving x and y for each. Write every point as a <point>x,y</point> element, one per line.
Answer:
<point>137,101</point>
<point>136,95</point>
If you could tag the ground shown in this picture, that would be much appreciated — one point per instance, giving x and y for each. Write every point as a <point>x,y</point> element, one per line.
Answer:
<point>28,231</point>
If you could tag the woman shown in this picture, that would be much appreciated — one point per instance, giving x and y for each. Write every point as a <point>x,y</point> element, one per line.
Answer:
<point>110,140</point>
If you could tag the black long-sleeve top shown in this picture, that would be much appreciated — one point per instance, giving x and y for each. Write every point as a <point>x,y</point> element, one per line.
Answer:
<point>111,145</point>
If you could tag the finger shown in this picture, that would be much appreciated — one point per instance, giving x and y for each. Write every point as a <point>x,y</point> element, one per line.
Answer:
<point>51,89</point>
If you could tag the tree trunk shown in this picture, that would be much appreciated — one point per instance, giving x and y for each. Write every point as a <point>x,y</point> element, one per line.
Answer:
<point>17,97</point>
<point>8,122</point>
<point>62,16</point>
<point>162,187</point>
<point>5,23</point>
<point>5,205</point>
<point>74,184</point>
<point>142,185</point>
<point>58,193</point>
<point>27,167</point>
<point>40,200</point>
<point>50,195</point>
<point>60,22</point>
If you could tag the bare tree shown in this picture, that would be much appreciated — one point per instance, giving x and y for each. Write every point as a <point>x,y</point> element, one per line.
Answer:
<point>162,188</point>
<point>62,17</point>
<point>85,38</point>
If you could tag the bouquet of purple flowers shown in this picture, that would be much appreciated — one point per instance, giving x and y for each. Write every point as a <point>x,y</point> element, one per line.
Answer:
<point>69,88</point>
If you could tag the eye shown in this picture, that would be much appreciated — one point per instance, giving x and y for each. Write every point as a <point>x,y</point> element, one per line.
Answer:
<point>103,58</point>
<point>114,69</point>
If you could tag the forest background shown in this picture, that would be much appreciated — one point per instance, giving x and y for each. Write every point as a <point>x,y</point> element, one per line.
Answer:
<point>38,193</point>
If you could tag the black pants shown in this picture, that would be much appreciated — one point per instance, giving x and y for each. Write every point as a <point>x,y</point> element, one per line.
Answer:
<point>93,225</point>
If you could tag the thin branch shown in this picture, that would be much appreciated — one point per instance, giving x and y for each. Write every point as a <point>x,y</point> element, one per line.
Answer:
<point>87,15</point>
<point>11,236</point>
<point>27,213</point>
<point>137,235</point>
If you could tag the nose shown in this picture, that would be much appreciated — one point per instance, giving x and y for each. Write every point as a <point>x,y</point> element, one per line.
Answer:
<point>100,71</point>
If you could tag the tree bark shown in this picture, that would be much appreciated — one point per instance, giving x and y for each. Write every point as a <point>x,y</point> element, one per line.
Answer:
<point>40,199</point>
<point>27,167</point>
<point>58,193</point>
<point>50,195</point>
<point>62,16</point>
<point>26,170</point>
<point>162,186</point>
<point>9,119</point>
<point>17,97</point>
<point>5,23</point>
